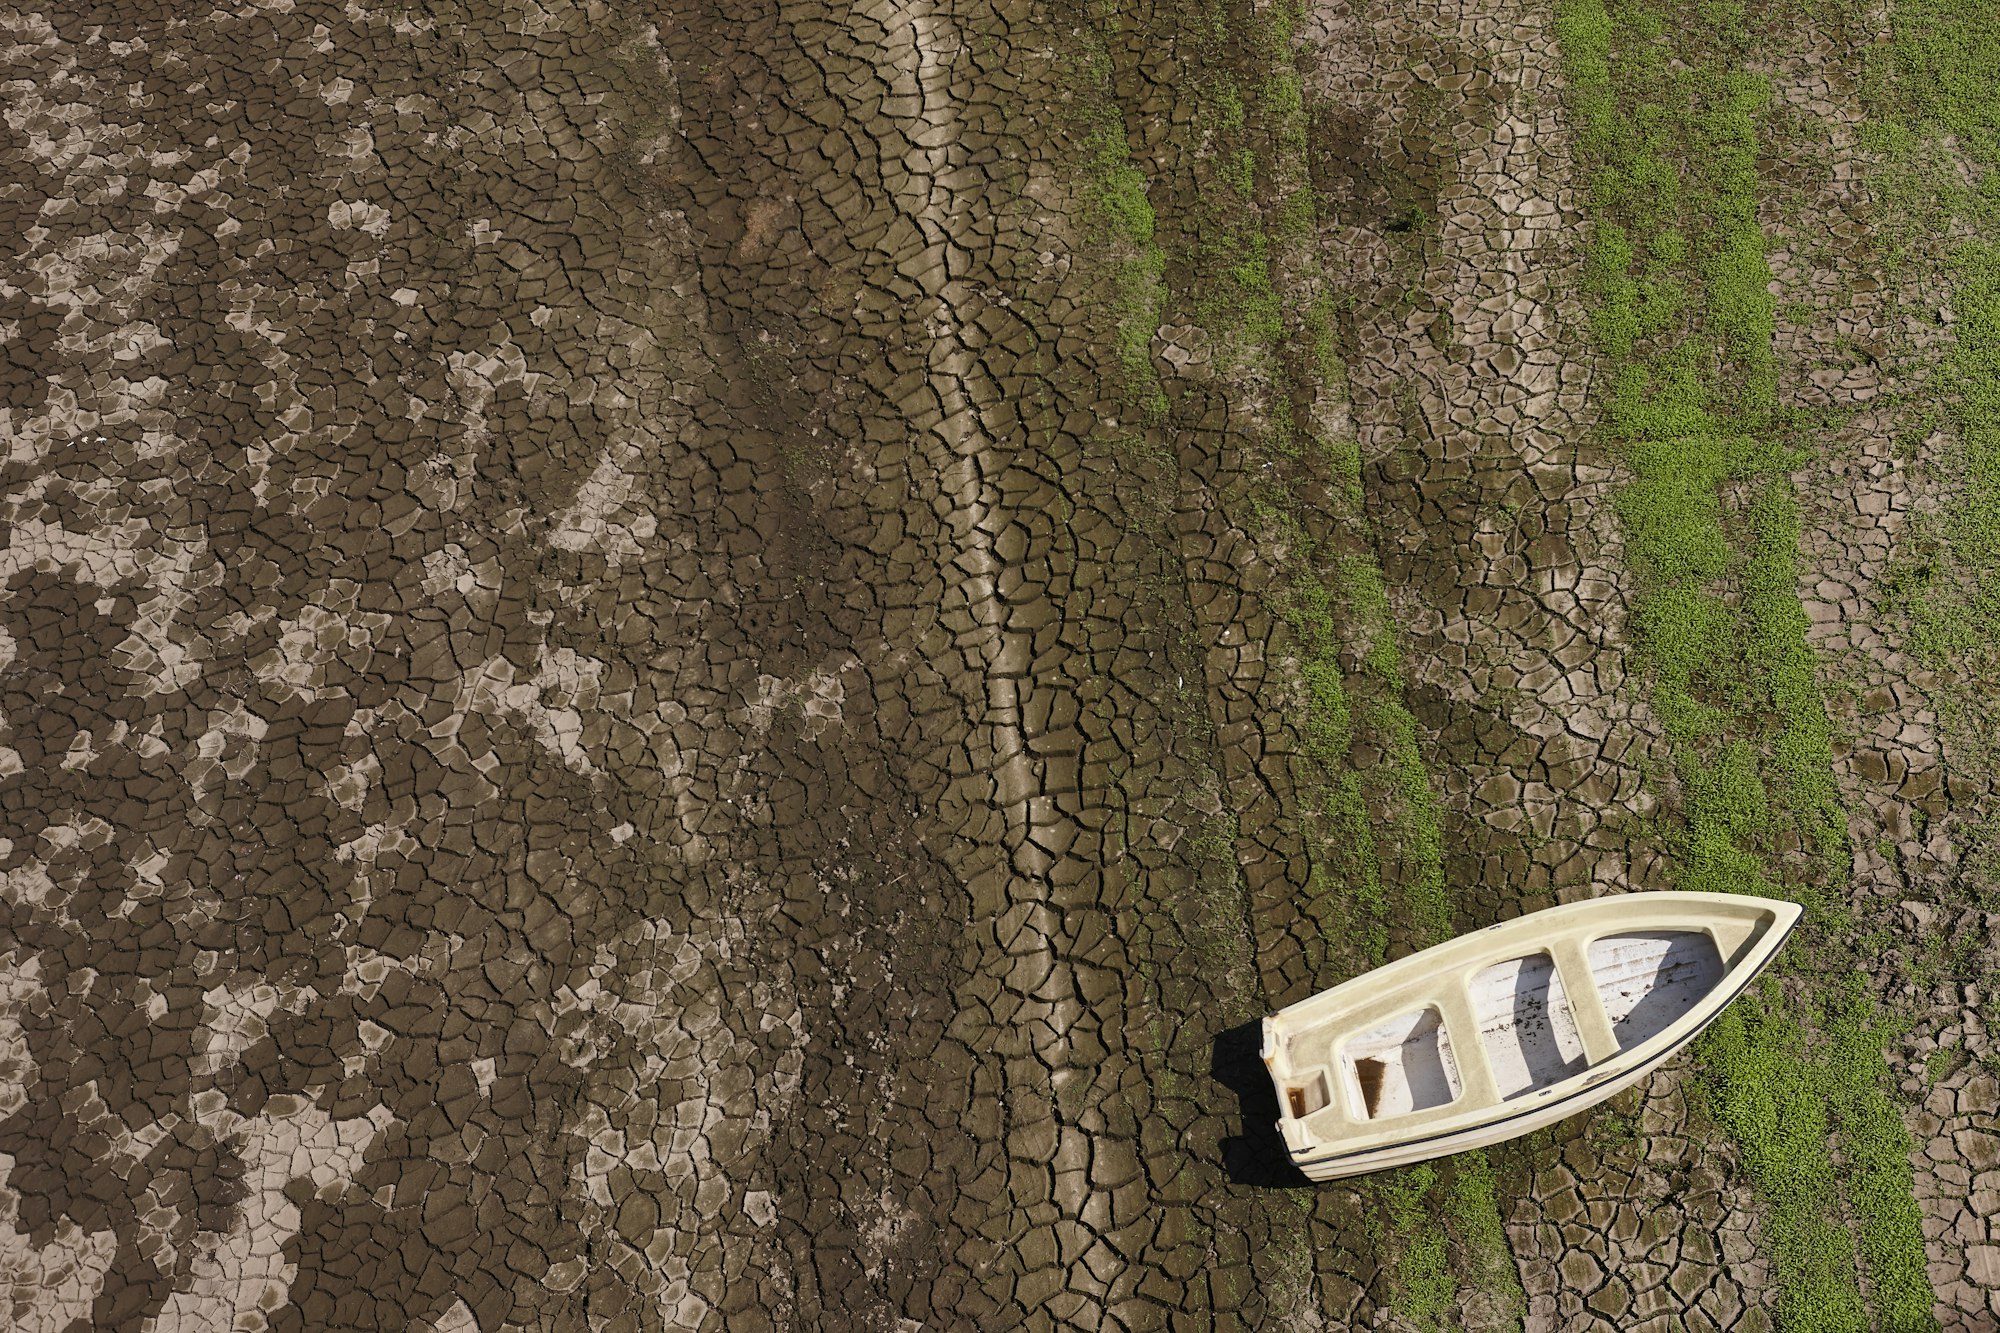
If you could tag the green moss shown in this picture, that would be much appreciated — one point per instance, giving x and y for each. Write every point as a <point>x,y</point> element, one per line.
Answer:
<point>1122,212</point>
<point>1240,171</point>
<point>1769,1101</point>
<point>1777,652</point>
<point>1614,1128</point>
<point>1328,725</point>
<point>1322,325</point>
<point>1879,1186</point>
<point>1228,109</point>
<point>1955,599</point>
<point>1943,1062</point>
<point>1368,602</point>
<point>1937,99</point>
<point>1353,831</point>
<point>1237,295</point>
<point>1212,917</point>
<point>1682,313</point>
<point>1444,1227</point>
<point>1344,458</point>
<point>1426,906</point>
<point>1294,217</point>
<point>1472,1214</point>
<point>1427,1288</point>
<point>1347,863</point>
<point>1781,1099</point>
<point>1726,807</point>
<point>1240,236</point>
<point>1252,285</point>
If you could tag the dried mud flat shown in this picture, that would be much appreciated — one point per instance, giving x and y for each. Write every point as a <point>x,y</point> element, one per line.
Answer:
<point>694,666</point>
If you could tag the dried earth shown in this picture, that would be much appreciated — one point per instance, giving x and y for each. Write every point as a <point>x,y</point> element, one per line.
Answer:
<point>695,665</point>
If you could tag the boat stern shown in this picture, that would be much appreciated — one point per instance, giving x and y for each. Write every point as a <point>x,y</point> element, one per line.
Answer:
<point>1299,1141</point>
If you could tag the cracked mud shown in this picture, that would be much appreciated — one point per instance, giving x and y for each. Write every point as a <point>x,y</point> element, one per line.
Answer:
<point>614,714</point>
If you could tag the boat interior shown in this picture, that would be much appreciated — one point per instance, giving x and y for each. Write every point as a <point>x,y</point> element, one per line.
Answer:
<point>1531,1031</point>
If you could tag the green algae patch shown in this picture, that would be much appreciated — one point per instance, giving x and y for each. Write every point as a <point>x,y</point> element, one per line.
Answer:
<point>1682,314</point>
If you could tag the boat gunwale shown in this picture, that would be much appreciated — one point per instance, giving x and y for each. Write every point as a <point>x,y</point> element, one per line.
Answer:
<point>1542,1102</point>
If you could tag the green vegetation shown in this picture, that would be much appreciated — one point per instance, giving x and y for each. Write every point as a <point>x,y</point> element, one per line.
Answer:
<point>1345,863</point>
<point>1682,313</point>
<point>1126,223</point>
<point>1444,1223</point>
<point>1253,282</point>
<point>1448,1228</point>
<point>1774,1106</point>
<point>1423,1267</point>
<point>1198,908</point>
<point>1289,1277</point>
<point>1472,1219</point>
<point>1943,1062</point>
<point>1615,1126</point>
<point>1216,925</point>
<point>1426,906</point>
<point>1877,1169</point>
<point>1935,96</point>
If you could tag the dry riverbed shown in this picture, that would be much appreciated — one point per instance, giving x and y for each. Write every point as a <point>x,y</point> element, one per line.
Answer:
<point>694,665</point>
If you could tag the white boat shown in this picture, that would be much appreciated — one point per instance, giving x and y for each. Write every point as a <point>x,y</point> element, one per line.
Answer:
<point>1510,1028</point>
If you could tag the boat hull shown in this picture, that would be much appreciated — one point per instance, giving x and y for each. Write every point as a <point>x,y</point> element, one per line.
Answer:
<point>1598,994</point>
<point>1476,1136</point>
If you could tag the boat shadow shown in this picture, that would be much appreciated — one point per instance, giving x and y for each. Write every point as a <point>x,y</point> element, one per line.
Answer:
<point>1256,1157</point>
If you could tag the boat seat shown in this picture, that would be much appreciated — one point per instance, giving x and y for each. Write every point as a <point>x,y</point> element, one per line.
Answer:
<point>1586,1002</point>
